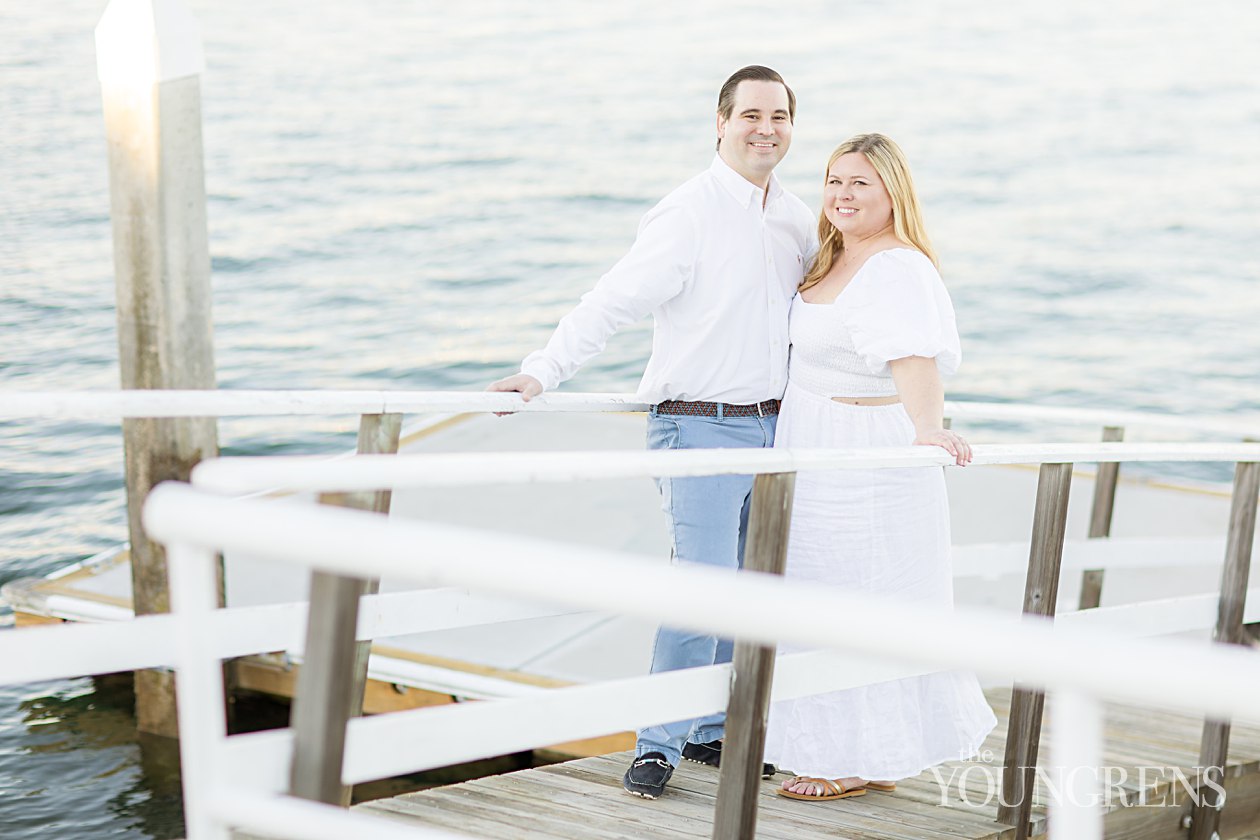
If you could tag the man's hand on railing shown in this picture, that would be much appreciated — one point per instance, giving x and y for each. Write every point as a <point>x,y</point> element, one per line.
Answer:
<point>524,384</point>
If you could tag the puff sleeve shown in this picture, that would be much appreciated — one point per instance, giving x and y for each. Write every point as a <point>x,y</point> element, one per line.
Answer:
<point>898,306</point>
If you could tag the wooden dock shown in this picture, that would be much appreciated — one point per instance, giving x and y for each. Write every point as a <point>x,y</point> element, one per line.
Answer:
<point>583,799</point>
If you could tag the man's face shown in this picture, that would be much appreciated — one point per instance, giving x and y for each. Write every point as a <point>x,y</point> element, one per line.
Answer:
<point>757,136</point>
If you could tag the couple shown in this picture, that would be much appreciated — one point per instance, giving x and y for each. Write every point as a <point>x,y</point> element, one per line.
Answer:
<point>731,270</point>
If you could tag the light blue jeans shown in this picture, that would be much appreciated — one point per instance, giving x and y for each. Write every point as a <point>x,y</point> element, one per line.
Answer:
<point>709,521</point>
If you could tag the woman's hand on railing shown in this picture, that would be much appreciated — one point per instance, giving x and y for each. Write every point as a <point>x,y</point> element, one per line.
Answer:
<point>524,384</point>
<point>951,442</point>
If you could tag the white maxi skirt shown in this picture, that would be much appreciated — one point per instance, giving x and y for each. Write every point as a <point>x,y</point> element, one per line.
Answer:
<point>884,532</point>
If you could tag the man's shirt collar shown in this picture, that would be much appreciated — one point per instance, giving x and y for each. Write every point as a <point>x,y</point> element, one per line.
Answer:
<point>741,189</point>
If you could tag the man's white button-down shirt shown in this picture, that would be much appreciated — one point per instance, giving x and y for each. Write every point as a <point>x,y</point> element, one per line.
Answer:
<point>717,272</point>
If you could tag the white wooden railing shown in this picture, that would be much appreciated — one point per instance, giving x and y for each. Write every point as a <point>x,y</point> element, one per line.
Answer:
<point>1186,677</point>
<point>113,405</point>
<point>1216,681</point>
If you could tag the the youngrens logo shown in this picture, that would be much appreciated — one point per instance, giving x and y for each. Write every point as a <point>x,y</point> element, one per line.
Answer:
<point>979,783</point>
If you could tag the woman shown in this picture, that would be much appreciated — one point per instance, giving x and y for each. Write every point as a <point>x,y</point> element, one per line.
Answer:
<point>872,332</point>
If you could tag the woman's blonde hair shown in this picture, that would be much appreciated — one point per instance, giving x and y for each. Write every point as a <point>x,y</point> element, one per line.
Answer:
<point>890,162</point>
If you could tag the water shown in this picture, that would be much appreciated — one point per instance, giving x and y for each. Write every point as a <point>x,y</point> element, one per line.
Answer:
<point>409,195</point>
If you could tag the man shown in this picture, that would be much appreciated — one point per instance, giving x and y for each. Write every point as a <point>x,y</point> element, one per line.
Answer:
<point>716,263</point>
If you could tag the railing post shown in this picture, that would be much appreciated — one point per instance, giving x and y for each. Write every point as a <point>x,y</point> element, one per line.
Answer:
<point>1076,745</point>
<point>1252,630</point>
<point>735,816</point>
<point>1100,518</point>
<point>1214,748</point>
<point>199,679</point>
<point>378,435</point>
<point>1045,559</point>
<point>333,674</point>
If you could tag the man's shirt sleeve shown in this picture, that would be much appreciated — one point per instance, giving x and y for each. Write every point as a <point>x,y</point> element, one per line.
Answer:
<point>657,267</point>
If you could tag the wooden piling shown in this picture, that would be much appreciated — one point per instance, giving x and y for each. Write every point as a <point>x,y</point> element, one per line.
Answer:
<point>1214,747</point>
<point>331,681</point>
<point>1100,518</point>
<point>735,814</point>
<point>1040,592</point>
<point>149,65</point>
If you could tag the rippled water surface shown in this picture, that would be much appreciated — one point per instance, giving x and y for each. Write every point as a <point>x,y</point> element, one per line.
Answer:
<point>407,195</point>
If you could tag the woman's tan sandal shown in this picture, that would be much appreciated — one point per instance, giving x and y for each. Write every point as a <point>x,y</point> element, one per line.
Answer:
<point>882,787</point>
<point>828,789</point>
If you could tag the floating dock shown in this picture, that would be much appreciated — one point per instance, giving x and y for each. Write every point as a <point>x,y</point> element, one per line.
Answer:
<point>583,799</point>
<point>432,659</point>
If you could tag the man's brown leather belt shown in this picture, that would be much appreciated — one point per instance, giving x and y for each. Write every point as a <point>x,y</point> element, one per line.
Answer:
<point>712,409</point>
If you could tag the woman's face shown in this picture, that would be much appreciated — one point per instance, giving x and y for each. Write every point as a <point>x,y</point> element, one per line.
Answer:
<point>855,200</point>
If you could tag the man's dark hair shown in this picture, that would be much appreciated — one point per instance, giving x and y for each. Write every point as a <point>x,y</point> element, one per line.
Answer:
<point>751,73</point>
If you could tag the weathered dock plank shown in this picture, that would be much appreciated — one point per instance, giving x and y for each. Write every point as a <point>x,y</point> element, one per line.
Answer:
<point>583,799</point>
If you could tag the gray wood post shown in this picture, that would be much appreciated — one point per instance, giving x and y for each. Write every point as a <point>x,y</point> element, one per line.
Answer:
<point>1100,518</point>
<point>1214,748</point>
<point>334,671</point>
<point>735,814</point>
<point>1252,630</point>
<point>1045,559</point>
<point>149,66</point>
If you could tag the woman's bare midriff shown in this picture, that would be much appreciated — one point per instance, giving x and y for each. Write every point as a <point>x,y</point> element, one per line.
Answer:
<point>893,400</point>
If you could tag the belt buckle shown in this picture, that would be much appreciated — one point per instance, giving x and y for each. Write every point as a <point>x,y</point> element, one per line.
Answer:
<point>759,414</point>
